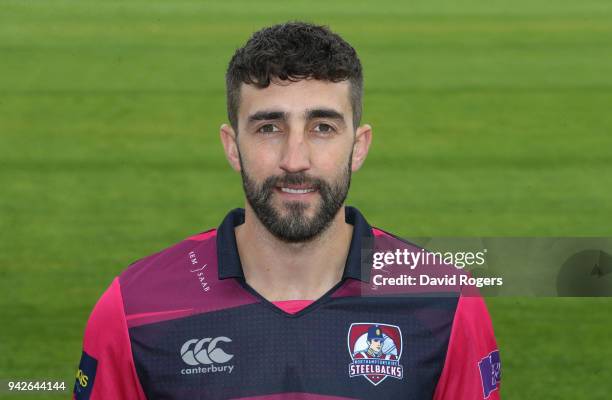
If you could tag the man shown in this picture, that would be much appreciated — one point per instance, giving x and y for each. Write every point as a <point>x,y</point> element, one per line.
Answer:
<point>264,306</point>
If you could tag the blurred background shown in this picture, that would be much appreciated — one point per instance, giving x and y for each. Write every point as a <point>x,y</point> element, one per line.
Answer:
<point>489,117</point>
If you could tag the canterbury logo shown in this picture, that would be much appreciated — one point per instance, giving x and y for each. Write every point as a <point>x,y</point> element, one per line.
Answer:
<point>205,351</point>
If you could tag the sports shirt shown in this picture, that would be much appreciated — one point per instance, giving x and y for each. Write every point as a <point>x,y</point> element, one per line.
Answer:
<point>184,324</point>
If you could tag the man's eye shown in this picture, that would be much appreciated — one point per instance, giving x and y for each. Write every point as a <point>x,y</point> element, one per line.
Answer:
<point>268,128</point>
<point>324,128</point>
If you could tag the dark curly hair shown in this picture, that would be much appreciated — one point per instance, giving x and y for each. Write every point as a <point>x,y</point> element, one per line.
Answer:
<point>293,51</point>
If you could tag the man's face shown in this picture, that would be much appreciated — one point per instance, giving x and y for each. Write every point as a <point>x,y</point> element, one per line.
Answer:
<point>376,345</point>
<point>295,142</point>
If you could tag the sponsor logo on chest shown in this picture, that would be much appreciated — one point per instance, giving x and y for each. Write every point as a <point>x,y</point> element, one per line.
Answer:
<point>205,356</point>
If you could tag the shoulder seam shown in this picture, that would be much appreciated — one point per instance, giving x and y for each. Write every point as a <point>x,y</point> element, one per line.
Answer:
<point>129,342</point>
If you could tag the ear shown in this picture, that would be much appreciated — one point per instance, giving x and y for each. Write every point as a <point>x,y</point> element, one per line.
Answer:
<point>361,146</point>
<point>230,145</point>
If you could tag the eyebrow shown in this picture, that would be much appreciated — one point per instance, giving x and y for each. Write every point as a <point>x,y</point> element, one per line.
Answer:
<point>267,115</point>
<point>271,115</point>
<point>324,113</point>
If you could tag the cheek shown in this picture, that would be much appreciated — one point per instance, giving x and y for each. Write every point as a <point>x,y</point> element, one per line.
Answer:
<point>259,156</point>
<point>331,158</point>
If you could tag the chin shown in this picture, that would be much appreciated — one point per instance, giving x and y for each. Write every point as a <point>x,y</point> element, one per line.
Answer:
<point>305,207</point>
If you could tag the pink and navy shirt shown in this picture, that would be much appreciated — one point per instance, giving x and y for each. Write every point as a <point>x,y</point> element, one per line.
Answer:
<point>184,324</point>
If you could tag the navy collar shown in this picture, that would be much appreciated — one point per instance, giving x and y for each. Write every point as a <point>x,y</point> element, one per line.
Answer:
<point>228,260</point>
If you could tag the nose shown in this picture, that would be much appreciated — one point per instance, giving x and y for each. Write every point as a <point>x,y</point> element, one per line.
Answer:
<point>296,153</point>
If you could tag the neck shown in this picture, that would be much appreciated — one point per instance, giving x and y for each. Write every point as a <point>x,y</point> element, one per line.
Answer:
<point>279,270</point>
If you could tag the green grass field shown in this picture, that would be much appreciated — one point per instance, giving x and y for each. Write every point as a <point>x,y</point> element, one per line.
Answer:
<point>490,118</point>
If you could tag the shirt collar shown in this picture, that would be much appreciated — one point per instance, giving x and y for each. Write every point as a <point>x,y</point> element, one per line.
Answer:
<point>228,260</point>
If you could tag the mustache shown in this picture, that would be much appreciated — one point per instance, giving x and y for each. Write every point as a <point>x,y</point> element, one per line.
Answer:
<point>298,178</point>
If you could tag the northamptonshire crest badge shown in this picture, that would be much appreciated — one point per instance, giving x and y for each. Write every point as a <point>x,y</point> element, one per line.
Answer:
<point>375,349</point>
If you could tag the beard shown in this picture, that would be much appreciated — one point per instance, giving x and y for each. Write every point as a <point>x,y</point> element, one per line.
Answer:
<point>294,225</point>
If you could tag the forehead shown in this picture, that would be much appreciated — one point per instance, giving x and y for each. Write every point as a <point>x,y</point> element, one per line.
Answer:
<point>295,97</point>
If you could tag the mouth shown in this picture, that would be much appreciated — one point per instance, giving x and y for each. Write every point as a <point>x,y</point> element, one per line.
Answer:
<point>296,190</point>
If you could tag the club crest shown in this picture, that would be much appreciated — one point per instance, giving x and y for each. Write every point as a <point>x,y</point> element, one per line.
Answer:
<point>375,349</point>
